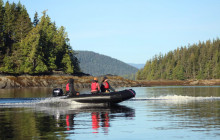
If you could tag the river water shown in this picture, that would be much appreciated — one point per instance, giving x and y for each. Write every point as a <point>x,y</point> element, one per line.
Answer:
<point>169,112</point>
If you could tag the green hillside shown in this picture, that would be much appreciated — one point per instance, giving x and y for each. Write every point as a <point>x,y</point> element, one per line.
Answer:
<point>97,64</point>
<point>197,61</point>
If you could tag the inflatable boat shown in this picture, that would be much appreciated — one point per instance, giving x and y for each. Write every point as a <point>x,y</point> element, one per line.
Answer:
<point>109,98</point>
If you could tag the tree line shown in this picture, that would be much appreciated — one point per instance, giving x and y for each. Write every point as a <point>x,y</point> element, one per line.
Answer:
<point>197,61</point>
<point>36,47</point>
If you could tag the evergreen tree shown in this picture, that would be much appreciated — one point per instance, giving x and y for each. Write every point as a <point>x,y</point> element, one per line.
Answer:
<point>60,41</point>
<point>36,19</point>
<point>68,67</point>
<point>23,24</point>
<point>178,72</point>
<point>75,62</point>
<point>8,22</point>
<point>1,32</point>
<point>32,61</point>
<point>47,31</point>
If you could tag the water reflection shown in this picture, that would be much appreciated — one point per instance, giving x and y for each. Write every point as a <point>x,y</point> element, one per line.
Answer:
<point>70,121</point>
<point>25,92</point>
<point>176,112</point>
<point>98,119</point>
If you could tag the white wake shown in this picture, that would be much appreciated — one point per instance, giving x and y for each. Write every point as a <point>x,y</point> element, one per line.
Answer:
<point>177,99</point>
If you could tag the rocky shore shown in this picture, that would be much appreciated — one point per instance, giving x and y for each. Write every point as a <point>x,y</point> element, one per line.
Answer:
<point>60,81</point>
<point>53,81</point>
<point>211,82</point>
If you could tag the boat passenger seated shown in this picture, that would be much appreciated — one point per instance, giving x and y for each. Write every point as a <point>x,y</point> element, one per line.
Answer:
<point>95,88</point>
<point>105,86</point>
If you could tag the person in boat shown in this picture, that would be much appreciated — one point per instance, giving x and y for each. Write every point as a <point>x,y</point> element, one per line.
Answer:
<point>95,88</point>
<point>70,91</point>
<point>105,86</point>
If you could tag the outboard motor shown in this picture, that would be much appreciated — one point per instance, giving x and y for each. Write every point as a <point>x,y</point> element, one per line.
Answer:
<point>57,92</point>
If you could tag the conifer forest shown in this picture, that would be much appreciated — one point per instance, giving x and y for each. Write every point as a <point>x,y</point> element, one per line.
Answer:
<point>32,47</point>
<point>40,47</point>
<point>197,61</point>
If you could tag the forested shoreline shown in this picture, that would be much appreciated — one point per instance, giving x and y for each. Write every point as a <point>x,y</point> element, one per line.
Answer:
<point>197,61</point>
<point>37,47</point>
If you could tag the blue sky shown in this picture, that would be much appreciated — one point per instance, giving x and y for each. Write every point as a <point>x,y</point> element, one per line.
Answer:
<point>132,31</point>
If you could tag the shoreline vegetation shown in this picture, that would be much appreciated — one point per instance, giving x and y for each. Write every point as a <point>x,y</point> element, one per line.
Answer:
<point>197,61</point>
<point>59,81</point>
<point>31,51</point>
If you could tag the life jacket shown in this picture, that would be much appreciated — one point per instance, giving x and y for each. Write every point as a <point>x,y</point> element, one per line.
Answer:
<point>67,87</point>
<point>94,86</point>
<point>106,85</point>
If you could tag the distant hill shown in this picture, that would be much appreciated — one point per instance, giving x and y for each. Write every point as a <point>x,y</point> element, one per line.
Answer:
<point>138,66</point>
<point>98,64</point>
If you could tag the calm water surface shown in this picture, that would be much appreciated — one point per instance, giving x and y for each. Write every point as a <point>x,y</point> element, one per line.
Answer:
<point>171,112</point>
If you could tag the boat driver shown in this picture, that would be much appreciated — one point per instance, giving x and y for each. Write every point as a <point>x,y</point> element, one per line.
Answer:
<point>70,91</point>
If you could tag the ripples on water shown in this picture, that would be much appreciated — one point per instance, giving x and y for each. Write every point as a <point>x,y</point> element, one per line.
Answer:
<point>155,113</point>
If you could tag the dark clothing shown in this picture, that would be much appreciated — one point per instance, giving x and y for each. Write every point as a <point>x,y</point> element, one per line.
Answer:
<point>95,92</point>
<point>104,89</point>
<point>71,91</point>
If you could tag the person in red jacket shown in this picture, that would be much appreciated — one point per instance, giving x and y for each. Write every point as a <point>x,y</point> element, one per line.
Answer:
<point>105,86</point>
<point>95,88</point>
<point>70,91</point>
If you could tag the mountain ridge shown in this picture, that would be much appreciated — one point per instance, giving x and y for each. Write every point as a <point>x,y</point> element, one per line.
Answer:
<point>98,64</point>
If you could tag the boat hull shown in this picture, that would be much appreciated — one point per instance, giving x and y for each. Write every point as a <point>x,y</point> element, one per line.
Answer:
<point>109,98</point>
